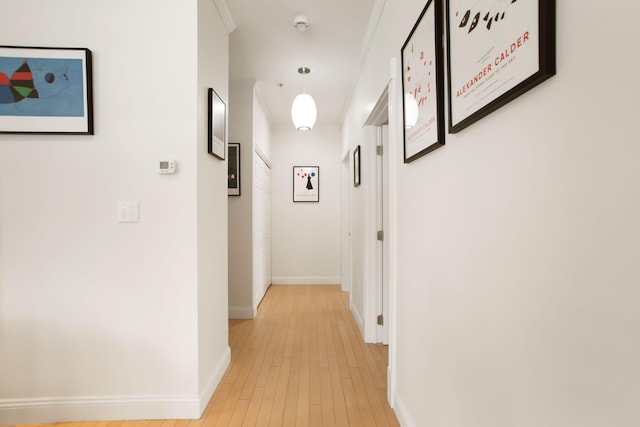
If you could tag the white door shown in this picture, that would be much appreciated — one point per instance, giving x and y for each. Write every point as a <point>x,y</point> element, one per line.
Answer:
<point>261,228</point>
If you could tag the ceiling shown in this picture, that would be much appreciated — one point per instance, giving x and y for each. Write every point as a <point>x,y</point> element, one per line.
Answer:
<point>266,47</point>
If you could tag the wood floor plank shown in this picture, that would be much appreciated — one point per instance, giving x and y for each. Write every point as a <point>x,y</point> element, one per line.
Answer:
<point>265,368</point>
<point>239,413</point>
<point>277,409</point>
<point>315,416</point>
<point>328,410</point>
<point>366,409</point>
<point>186,423</point>
<point>291,398</point>
<point>314,368</point>
<point>303,401</point>
<point>253,409</point>
<point>337,394</point>
<point>351,403</point>
<point>347,346</point>
<point>264,414</point>
<point>214,409</point>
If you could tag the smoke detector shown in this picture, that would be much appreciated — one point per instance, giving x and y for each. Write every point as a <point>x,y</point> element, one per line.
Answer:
<point>301,22</point>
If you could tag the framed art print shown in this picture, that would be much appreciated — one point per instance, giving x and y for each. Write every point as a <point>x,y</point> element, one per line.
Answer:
<point>306,183</point>
<point>217,121</point>
<point>233,167</point>
<point>45,90</point>
<point>423,84</point>
<point>497,50</point>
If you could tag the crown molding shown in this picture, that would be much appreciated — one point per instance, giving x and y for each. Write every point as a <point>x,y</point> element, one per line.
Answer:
<point>367,41</point>
<point>225,14</point>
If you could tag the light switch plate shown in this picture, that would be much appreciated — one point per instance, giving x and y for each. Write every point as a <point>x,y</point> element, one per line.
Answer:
<point>129,212</point>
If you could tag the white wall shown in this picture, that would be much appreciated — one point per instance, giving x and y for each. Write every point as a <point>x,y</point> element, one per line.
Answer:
<point>214,353</point>
<point>241,207</point>
<point>98,319</point>
<point>261,124</point>
<point>249,219</point>
<point>359,225</point>
<point>517,242</point>
<point>306,236</point>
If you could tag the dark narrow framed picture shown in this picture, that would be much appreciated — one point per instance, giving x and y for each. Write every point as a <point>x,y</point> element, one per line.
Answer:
<point>356,167</point>
<point>217,122</point>
<point>497,51</point>
<point>233,166</point>
<point>423,84</point>
<point>306,183</point>
<point>46,90</point>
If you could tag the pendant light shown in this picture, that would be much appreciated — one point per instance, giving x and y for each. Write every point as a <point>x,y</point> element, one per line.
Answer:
<point>410,111</point>
<point>303,110</point>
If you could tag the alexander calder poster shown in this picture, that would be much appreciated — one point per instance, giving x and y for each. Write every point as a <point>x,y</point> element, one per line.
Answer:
<point>493,47</point>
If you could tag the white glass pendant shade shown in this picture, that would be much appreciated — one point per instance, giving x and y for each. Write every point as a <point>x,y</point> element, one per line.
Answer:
<point>303,112</point>
<point>410,111</point>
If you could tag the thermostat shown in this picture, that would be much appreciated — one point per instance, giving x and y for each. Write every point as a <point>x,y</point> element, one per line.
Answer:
<point>167,166</point>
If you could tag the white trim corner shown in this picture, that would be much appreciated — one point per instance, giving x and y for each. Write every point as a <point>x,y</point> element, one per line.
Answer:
<point>214,380</point>
<point>242,313</point>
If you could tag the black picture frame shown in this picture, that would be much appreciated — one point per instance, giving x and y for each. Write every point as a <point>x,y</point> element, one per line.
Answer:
<point>217,122</point>
<point>306,183</point>
<point>356,167</point>
<point>46,90</point>
<point>233,168</point>
<point>422,59</point>
<point>496,54</point>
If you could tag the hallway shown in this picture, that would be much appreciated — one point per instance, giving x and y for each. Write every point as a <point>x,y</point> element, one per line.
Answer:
<point>301,362</point>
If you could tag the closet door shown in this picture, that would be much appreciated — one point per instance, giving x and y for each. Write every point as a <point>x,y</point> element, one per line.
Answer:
<point>261,228</point>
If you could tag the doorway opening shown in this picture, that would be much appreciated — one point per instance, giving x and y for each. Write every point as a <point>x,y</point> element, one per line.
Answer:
<point>377,292</point>
<point>383,128</point>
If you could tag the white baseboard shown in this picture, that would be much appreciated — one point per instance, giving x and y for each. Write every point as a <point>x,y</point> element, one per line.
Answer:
<point>305,280</point>
<point>215,378</point>
<point>402,414</point>
<point>257,299</point>
<point>52,410</point>
<point>358,318</point>
<point>391,387</point>
<point>108,408</point>
<point>242,313</point>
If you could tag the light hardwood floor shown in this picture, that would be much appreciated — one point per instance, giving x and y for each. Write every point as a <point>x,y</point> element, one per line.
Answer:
<point>301,362</point>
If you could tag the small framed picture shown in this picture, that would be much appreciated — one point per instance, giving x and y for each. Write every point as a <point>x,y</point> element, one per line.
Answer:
<point>233,164</point>
<point>356,166</point>
<point>306,183</point>
<point>217,115</point>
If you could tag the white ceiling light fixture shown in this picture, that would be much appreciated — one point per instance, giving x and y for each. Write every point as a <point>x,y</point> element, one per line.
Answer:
<point>303,110</point>
<point>301,23</point>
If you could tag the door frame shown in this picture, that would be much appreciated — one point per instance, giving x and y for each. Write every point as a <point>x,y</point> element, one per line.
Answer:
<point>375,263</point>
<point>387,109</point>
